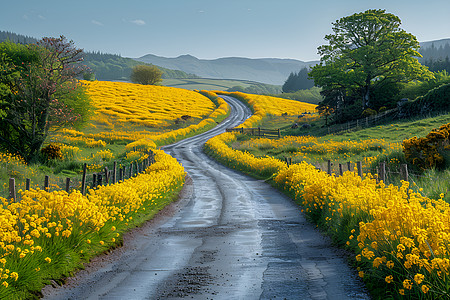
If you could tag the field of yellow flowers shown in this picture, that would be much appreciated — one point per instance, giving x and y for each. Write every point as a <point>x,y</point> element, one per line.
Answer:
<point>153,106</point>
<point>262,106</point>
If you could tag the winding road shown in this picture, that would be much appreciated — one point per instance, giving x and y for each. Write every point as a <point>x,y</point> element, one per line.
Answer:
<point>229,237</point>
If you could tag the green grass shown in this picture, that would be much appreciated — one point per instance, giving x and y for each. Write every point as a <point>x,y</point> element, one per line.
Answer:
<point>208,84</point>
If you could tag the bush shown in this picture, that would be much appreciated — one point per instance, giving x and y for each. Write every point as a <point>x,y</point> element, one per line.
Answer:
<point>430,151</point>
<point>52,151</point>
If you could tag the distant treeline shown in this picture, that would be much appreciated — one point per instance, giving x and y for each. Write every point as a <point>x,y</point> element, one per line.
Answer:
<point>436,58</point>
<point>16,38</point>
<point>298,81</point>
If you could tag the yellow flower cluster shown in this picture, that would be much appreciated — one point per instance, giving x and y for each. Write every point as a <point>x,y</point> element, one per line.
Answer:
<point>152,105</point>
<point>401,233</point>
<point>263,105</point>
<point>265,166</point>
<point>47,229</point>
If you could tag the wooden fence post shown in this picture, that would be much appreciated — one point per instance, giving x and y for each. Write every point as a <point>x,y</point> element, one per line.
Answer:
<point>279,133</point>
<point>27,184</point>
<point>106,176</point>
<point>341,171</point>
<point>114,173</point>
<point>94,180</point>
<point>329,167</point>
<point>259,131</point>
<point>404,172</point>
<point>46,183</point>
<point>99,179</point>
<point>349,166</point>
<point>12,189</point>
<point>382,174</point>
<point>67,184</point>
<point>131,170</point>
<point>359,167</point>
<point>83,180</point>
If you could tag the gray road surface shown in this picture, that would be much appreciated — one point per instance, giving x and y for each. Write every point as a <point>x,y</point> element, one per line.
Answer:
<point>229,237</point>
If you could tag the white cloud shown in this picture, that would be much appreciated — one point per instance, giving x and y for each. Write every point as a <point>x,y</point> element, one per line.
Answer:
<point>138,22</point>
<point>95,22</point>
<point>41,17</point>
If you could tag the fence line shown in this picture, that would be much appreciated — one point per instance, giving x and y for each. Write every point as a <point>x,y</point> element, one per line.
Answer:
<point>363,123</point>
<point>257,131</point>
<point>110,176</point>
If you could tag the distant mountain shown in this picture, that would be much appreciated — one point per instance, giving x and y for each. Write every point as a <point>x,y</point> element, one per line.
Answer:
<point>266,70</point>
<point>437,43</point>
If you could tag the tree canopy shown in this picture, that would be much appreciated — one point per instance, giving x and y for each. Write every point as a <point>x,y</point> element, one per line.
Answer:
<point>144,74</point>
<point>297,81</point>
<point>366,59</point>
<point>38,92</point>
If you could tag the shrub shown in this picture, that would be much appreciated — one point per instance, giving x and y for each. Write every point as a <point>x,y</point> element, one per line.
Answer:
<point>52,151</point>
<point>430,151</point>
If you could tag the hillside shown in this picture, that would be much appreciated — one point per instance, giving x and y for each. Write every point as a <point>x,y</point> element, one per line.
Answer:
<point>115,67</point>
<point>266,70</point>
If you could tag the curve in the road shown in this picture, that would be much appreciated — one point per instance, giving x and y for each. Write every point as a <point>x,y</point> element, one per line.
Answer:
<point>233,238</point>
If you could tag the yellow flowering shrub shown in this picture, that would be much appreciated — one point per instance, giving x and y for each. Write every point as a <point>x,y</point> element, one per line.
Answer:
<point>431,151</point>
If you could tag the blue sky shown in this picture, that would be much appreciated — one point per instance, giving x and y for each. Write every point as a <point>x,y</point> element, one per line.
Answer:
<point>210,28</point>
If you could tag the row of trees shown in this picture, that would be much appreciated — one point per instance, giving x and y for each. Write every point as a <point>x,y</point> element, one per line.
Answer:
<point>436,65</point>
<point>298,81</point>
<point>39,93</point>
<point>365,65</point>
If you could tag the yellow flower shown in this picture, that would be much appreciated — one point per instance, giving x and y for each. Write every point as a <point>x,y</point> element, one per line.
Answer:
<point>5,284</point>
<point>361,274</point>
<point>389,279</point>
<point>407,284</point>
<point>48,259</point>
<point>418,278</point>
<point>401,292</point>
<point>425,288</point>
<point>14,275</point>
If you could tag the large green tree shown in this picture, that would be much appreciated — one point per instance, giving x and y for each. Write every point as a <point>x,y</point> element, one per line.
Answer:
<point>367,53</point>
<point>38,91</point>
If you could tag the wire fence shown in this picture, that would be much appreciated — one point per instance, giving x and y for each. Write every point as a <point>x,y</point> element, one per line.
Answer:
<point>366,122</point>
<point>93,180</point>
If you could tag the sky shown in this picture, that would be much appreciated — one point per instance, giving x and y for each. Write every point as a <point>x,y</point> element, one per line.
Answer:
<point>210,29</point>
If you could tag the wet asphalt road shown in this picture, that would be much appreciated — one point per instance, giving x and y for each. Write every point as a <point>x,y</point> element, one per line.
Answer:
<point>233,237</point>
